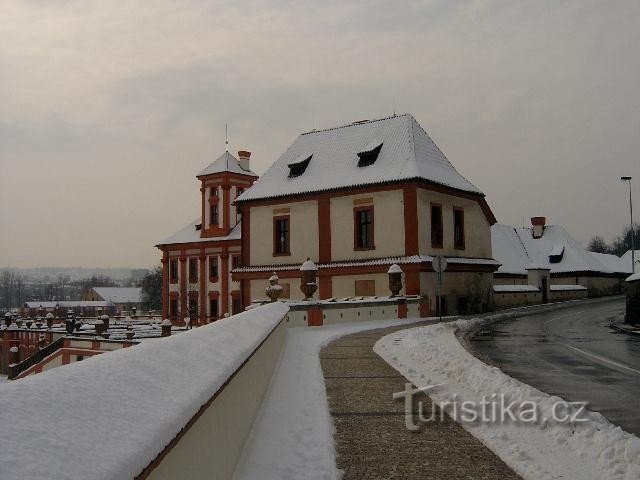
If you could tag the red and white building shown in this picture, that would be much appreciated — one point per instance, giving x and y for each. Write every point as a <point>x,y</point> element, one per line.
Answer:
<point>197,261</point>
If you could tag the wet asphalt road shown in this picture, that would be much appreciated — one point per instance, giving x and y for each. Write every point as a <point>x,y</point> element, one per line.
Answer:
<point>573,353</point>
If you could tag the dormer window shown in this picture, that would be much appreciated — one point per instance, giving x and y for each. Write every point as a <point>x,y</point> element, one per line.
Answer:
<point>298,168</point>
<point>369,155</point>
<point>556,254</point>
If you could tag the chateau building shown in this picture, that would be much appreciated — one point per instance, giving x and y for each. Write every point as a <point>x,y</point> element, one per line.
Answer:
<point>358,198</point>
<point>197,260</point>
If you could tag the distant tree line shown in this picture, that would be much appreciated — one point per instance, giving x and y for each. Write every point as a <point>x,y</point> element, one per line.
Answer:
<point>152,290</point>
<point>620,244</point>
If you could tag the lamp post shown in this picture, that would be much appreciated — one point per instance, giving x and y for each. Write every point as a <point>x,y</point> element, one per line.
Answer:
<point>633,239</point>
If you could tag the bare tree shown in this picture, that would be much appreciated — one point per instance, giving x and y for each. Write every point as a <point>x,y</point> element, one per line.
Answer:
<point>7,286</point>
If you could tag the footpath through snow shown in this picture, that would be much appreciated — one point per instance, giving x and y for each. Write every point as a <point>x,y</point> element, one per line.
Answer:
<point>594,449</point>
<point>292,437</point>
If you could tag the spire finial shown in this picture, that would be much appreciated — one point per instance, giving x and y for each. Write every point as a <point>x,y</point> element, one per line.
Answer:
<point>226,138</point>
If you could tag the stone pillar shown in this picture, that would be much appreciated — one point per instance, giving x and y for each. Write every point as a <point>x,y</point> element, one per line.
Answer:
<point>184,282</point>
<point>203,279</point>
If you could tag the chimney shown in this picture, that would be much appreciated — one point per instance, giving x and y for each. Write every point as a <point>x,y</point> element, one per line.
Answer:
<point>538,224</point>
<point>243,157</point>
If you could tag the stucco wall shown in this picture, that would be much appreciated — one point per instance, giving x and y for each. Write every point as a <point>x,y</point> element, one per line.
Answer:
<point>476,227</point>
<point>303,224</point>
<point>476,287</point>
<point>388,225</point>
<point>212,446</point>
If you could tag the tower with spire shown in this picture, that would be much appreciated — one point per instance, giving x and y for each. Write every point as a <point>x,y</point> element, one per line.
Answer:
<point>198,259</point>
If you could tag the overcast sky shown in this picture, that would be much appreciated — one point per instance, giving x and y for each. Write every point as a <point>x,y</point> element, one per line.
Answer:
<point>109,109</point>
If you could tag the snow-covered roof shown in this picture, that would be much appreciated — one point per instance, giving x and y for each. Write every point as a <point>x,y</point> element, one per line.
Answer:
<point>517,249</point>
<point>190,234</point>
<point>407,153</point>
<point>120,294</point>
<point>226,163</point>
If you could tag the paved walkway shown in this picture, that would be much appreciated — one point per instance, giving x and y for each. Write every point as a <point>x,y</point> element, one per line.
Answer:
<point>371,439</point>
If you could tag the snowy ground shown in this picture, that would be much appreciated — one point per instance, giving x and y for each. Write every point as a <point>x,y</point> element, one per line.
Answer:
<point>595,449</point>
<point>292,438</point>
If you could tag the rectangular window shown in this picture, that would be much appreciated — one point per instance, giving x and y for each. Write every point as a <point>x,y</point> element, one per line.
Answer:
<point>363,228</point>
<point>213,268</point>
<point>213,215</point>
<point>458,228</point>
<point>213,308</point>
<point>173,308</point>
<point>281,236</point>
<point>235,261</point>
<point>214,191</point>
<point>173,271</point>
<point>436,225</point>
<point>193,270</point>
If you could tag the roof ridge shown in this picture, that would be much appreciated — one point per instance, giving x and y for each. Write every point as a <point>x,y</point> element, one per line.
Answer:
<point>356,123</point>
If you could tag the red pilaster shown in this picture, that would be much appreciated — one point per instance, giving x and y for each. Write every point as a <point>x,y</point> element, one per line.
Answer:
<point>202,305</point>
<point>325,289</point>
<point>412,279</point>
<point>183,288</point>
<point>165,284</point>
<point>245,289</point>
<point>314,317</point>
<point>226,208</point>
<point>224,281</point>
<point>402,308</point>
<point>246,236</point>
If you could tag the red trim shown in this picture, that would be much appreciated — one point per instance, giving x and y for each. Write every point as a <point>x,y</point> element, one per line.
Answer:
<point>165,284</point>
<point>183,287</point>
<point>410,197</point>
<point>324,230</point>
<point>314,317</point>
<point>402,308</point>
<point>214,295</point>
<point>325,288</point>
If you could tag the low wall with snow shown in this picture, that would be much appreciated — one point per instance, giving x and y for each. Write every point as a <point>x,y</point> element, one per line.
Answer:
<point>173,407</point>
<point>357,309</point>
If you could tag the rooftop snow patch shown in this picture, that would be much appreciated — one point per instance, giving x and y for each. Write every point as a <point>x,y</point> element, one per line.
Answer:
<point>120,294</point>
<point>406,153</point>
<point>226,163</point>
<point>110,415</point>
<point>191,234</point>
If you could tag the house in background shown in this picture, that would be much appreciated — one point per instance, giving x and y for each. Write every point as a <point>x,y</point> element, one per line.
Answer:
<point>124,298</point>
<point>358,198</point>
<point>552,248</point>
<point>197,260</point>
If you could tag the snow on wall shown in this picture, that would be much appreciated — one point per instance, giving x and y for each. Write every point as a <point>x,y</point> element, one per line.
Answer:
<point>110,415</point>
<point>593,450</point>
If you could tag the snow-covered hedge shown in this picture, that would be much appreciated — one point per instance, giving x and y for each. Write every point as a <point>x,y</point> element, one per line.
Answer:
<point>109,416</point>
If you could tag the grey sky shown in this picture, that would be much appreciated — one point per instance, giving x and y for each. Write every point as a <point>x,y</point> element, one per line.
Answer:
<point>109,109</point>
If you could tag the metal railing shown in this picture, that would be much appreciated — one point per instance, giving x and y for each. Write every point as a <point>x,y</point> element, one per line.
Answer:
<point>18,368</point>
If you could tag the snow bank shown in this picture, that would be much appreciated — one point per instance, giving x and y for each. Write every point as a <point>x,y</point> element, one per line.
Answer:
<point>292,437</point>
<point>109,416</point>
<point>595,449</point>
